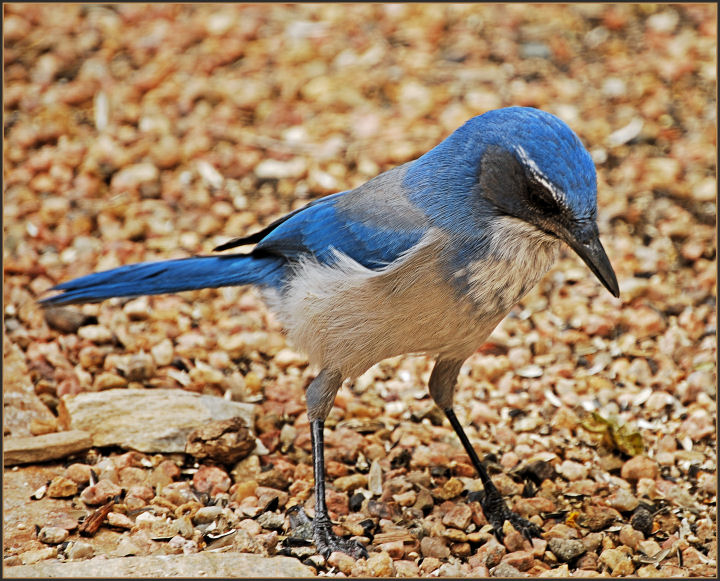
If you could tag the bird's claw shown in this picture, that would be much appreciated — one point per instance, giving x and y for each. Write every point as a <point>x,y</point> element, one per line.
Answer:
<point>497,512</point>
<point>326,542</point>
<point>320,531</point>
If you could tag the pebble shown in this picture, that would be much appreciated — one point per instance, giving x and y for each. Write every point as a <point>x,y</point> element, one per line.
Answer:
<point>434,547</point>
<point>52,535</point>
<point>95,333</point>
<point>406,568</point>
<point>380,565</point>
<point>506,570</point>
<point>163,353</point>
<point>618,562</point>
<point>623,500</point>
<point>271,520</point>
<point>344,563</point>
<point>597,518</point>
<point>211,479</point>
<point>521,560</point>
<point>491,553</point>
<point>458,516</point>
<point>631,537</point>
<point>80,550</point>
<point>207,514</point>
<point>639,467</point>
<point>572,470</point>
<point>351,482</point>
<point>62,487</point>
<point>100,493</point>
<point>116,519</point>
<point>566,549</point>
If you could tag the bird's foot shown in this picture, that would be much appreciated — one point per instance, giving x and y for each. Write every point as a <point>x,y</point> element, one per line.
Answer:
<point>320,531</point>
<point>497,512</point>
<point>326,541</point>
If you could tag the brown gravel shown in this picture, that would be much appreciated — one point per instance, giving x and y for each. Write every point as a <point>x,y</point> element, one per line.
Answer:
<point>138,132</point>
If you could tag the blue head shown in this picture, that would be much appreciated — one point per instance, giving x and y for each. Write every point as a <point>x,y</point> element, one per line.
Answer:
<point>519,162</point>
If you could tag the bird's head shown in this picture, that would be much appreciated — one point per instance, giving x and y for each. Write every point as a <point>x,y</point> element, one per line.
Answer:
<point>534,168</point>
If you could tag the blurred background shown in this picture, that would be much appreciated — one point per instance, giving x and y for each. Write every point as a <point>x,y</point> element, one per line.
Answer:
<point>136,132</point>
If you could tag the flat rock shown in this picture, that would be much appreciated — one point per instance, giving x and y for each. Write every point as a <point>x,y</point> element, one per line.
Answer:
<point>44,447</point>
<point>214,565</point>
<point>152,420</point>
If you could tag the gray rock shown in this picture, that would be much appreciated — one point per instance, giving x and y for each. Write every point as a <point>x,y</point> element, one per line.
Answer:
<point>566,549</point>
<point>147,420</point>
<point>190,566</point>
<point>45,447</point>
<point>506,570</point>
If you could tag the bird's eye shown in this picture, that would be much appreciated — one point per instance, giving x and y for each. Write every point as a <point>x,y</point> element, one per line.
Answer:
<point>542,199</point>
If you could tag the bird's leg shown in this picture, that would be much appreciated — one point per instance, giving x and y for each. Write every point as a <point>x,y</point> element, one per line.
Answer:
<point>319,398</point>
<point>493,504</point>
<point>326,541</point>
<point>442,388</point>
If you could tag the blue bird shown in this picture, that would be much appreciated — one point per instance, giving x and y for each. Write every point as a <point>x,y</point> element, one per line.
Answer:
<point>427,257</point>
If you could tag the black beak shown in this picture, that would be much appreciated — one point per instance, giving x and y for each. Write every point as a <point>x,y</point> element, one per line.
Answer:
<point>586,243</point>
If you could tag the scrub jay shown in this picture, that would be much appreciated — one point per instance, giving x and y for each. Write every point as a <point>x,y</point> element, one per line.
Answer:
<point>427,257</point>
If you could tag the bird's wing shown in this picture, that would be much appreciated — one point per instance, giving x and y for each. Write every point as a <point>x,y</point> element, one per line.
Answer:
<point>373,224</point>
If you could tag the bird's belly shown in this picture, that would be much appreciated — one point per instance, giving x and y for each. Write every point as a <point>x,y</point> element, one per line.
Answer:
<point>348,317</point>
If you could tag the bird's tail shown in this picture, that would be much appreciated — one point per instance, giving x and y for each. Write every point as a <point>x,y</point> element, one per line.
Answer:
<point>169,276</point>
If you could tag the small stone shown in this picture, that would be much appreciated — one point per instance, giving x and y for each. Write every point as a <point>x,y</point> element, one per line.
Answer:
<point>207,514</point>
<point>116,519</point>
<point>597,518</point>
<point>648,571</point>
<point>451,489</point>
<point>163,353</point>
<point>271,520</point>
<point>107,380</point>
<point>617,561</point>
<point>80,550</point>
<point>380,565</point>
<point>587,561</point>
<point>491,553</point>
<point>528,507</point>
<point>62,487</point>
<point>211,479</point>
<point>351,482</point>
<point>521,560</point>
<point>225,441</point>
<point>65,320</point>
<point>52,535</point>
<point>623,500</point>
<point>458,516</point>
<point>100,493</point>
<point>405,568</point>
<point>566,549</point>
<point>341,561</point>
<point>630,536</point>
<point>95,333</point>
<point>506,570</point>
<point>642,520</point>
<point>139,367</point>
<point>572,470</point>
<point>434,547</point>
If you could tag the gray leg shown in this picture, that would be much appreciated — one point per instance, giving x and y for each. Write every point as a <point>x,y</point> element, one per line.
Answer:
<point>320,396</point>
<point>442,387</point>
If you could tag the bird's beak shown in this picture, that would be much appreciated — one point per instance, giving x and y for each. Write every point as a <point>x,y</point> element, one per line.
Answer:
<point>585,242</point>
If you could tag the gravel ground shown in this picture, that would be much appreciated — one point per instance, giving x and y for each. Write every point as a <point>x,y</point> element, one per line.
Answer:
<point>140,132</point>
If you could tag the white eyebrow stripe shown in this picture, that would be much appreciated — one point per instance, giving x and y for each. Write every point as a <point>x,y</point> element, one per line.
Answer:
<point>539,175</point>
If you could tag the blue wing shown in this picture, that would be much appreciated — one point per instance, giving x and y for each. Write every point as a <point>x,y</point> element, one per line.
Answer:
<point>373,224</point>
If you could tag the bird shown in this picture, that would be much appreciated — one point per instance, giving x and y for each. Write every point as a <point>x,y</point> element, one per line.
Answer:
<point>425,258</point>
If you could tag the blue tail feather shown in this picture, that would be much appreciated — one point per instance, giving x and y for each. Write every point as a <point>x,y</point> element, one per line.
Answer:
<point>170,276</point>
